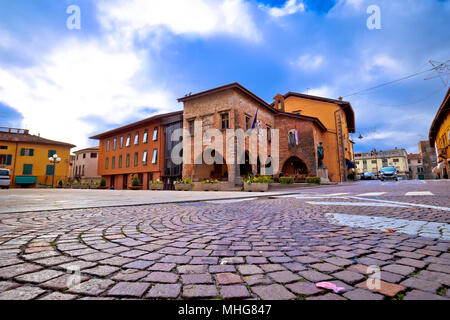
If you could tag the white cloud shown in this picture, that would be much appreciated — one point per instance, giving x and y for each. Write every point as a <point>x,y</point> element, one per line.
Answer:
<point>290,7</point>
<point>308,62</point>
<point>181,17</point>
<point>78,80</point>
<point>324,91</point>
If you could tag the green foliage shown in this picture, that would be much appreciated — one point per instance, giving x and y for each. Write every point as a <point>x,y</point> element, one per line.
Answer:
<point>103,182</point>
<point>156,182</point>
<point>211,181</point>
<point>315,180</point>
<point>185,181</point>
<point>286,180</point>
<point>259,179</point>
<point>60,183</point>
<point>135,181</point>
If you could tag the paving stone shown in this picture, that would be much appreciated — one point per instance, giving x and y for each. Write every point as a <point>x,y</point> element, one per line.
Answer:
<point>162,267</point>
<point>325,267</point>
<point>129,275</point>
<point>40,276</point>
<point>257,279</point>
<point>314,276</point>
<point>101,271</point>
<point>249,269</point>
<point>8,285</point>
<point>199,291</point>
<point>327,297</point>
<point>196,278</point>
<point>391,277</point>
<point>307,259</point>
<point>339,261</point>
<point>439,268</point>
<point>138,264</point>
<point>234,292</point>
<point>385,288</point>
<point>256,260</point>
<point>221,269</point>
<point>228,278</point>
<point>205,260</point>
<point>22,293</point>
<point>17,270</point>
<point>421,284</point>
<point>164,291</point>
<point>411,255</point>
<point>117,261</point>
<point>294,266</point>
<point>173,251</point>
<point>176,259</point>
<point>161,277</point>
<point>272,267</point>
<point>64,282</point>
<point>129,289</point>
<point>397,268</point>
<point>304,288</point>
<point>360,294</point>
<point>93,287</point>
<point>59,296</point>
<point>348,276</point>
<point>422,295</point>
<point>284,276</point>
<point>443,278</point>
<point>232,260</point>
<point>273,292</point>
<point>190,269</point>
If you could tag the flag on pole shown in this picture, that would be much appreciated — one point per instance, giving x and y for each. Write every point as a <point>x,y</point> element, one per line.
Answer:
<point>254,120</point>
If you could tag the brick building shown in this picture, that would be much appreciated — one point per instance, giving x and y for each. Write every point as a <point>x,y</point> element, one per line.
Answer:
<point>234,107</point>
<point>429,160</point>
<point>139,149</point>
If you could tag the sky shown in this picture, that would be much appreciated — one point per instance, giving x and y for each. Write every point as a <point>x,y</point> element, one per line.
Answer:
<point>131,59</point>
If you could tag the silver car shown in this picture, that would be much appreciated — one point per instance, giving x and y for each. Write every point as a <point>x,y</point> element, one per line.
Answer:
<point>5,178</point>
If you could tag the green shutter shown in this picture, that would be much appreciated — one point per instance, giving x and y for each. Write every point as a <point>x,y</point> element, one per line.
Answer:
<point>31,152</point>
<point>22,152</point>
<point>8,159</point>
<point>50,170</point>
<point>27,169</point>
<point>51,153</point>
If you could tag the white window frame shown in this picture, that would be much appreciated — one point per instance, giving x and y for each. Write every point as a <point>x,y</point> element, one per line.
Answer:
<point>155,156</point>
<point>155,134</point>
<point>136,138</point>
<point>144,158</point>
<point>145,138</point>
<point>127,144</point>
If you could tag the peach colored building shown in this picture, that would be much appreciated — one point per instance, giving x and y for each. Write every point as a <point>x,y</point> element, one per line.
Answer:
<point>84,167</point>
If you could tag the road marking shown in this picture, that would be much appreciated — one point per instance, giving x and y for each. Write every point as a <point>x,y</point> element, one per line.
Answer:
<point>405,204</point>
<point>356,204</point>
<point>414,227</point>
<point>419,193</point>
<point>372,194</point>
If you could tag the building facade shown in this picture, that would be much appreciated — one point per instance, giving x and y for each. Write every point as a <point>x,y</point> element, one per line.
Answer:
<point>85,165</point>
<point>234,107</point>
<point>439,137</point>
<point>375,160</point>
<point>139,150</point>
<point>429,160</point>
<point>27,158</point>
<point>415,164</point>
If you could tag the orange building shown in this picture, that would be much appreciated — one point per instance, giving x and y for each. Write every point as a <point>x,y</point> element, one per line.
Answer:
<point>339,119</point>
<point>139,149</point>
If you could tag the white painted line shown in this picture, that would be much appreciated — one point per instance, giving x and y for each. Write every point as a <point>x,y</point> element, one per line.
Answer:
<point>419,193</point>
<point>356,204</point>
<point>414,227</point>
<point>337,194</point>
<point>372,194</point>
<point>405,204</point>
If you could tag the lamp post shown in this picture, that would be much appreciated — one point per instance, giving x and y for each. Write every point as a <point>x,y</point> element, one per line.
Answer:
<point>54,160</point>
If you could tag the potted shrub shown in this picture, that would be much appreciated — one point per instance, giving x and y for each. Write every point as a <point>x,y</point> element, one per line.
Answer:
<point>135,184</point>
<point>183,185</point>
<point>210,185</point>
<point>156,185</point>
<point>257,184</point>
<point>102,184</point>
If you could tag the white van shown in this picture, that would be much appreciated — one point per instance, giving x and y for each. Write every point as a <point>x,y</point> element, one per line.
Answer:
<point>5,178</point>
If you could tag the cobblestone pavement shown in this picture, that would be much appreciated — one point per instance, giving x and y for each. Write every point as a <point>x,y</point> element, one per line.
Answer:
<point>272,248</point>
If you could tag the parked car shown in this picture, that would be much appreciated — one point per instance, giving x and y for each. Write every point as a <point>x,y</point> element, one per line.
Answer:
<point>5,178</point>
<point>367,176</point>
<point>388,173</point>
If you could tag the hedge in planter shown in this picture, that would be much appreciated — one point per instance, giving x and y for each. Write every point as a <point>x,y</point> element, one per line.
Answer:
<point>156,185</point>
<point>260,183</point>
<point>286,180</point>
<point>210,185</point>
<point>314,180</point>
<point>183,185</point>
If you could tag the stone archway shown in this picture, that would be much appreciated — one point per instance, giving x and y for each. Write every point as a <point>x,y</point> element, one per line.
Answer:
<point>294,166</point>
<point>216,170</point>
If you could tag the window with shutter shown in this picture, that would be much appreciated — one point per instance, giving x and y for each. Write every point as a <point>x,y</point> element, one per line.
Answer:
<point>27,169</point>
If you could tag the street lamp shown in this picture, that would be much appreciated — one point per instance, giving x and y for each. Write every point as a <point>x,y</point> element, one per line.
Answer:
<point>54,160</point>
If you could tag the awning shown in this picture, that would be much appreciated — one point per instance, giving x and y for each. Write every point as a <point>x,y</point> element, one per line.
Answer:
<point>350,164</point>
<point>26,180</point>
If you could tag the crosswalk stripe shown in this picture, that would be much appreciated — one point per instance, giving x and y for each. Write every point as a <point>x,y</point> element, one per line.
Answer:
<point>419,193</point>
<point>372,194</point>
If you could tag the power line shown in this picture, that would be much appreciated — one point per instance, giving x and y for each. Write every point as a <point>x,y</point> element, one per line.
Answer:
<point>397,80</point>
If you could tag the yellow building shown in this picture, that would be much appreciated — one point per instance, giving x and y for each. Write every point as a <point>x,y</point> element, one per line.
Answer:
<point>374,161</point>
<point>339,120</point>
<point>440,136</point>
<point>27,158</point>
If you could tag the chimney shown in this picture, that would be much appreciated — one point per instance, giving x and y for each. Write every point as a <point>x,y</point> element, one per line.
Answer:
<point>340,98</point>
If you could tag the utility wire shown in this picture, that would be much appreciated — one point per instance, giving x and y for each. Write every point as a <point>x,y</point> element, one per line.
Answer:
<point>397,80</point>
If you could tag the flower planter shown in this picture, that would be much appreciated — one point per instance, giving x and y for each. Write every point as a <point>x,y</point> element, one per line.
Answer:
<point>135,188</point>
<point>156,186</point>
<point>210,186</point>
<point>102,187</point>
<point>183,187</point>
<point>256,187</point>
